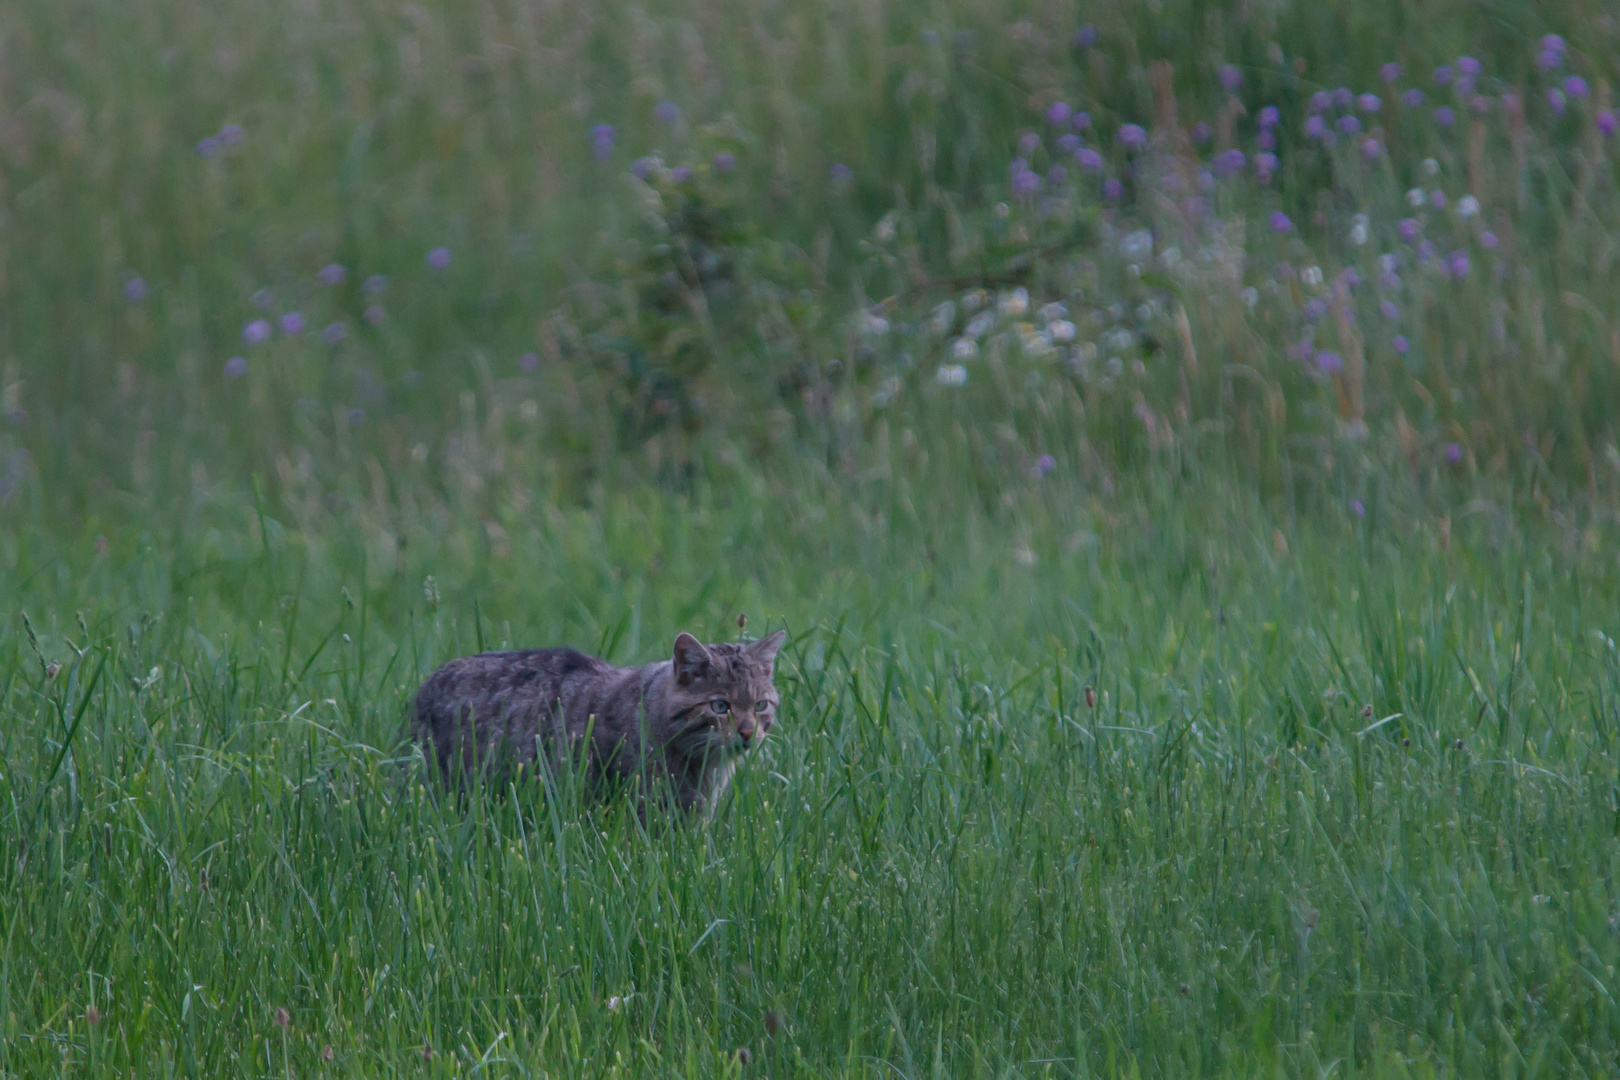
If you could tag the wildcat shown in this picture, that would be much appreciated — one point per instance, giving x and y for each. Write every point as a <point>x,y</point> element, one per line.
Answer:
<point>683,722</point>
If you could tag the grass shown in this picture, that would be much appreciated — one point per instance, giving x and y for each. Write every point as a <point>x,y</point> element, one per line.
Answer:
<point>1160,698</point>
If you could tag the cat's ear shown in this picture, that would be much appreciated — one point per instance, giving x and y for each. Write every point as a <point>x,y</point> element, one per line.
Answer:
<point>765,649</point>
<point>691,659</point>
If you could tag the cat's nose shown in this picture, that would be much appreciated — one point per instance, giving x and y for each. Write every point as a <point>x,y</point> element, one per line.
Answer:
<point>746,730</point>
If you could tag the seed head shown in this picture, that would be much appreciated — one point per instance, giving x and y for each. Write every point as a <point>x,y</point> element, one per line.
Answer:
<point>283,1018</point>
<point>52,669</point>
<point>92,1016</point>
<point>327,1053</point>
<point>773,1022</point>
<point>742,620</point>
<point>744,1055</point>
<point>1091,698</point>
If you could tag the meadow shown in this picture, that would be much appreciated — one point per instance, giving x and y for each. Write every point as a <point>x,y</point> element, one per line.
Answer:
<point>1179,439</point>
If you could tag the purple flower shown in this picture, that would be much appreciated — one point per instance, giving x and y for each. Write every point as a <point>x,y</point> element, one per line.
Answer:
<point>1454,453</point>
<point>375,284</point>
<point>1371,148</point>
<point>1437,199</point>
<point>1132,135</point>
<point>1457,263</point>
<point>1025,183</point>
<point>1231,78</point>
<point>1081,121</point>
<point>1314,309</point>
<point>1357,508</point>
<point>1200,133</point>
<point>1315,127</point>
<point>1329,362</point>
<point>840,174</point>
<point>1283,271</point>
<point>292,323</point>
<point>1425,252</point>
<point>236,367</point>
<point>1350,277</point>
<point>1280,222</point>
<point>1343,98</point>
<point>1265,163</point>
<point>680,174</point>
<point>1606,122</point>
<point>1349,125</point>
<point>724,163</point>
<point>135,290</point>
<point>1576,87</point>
<point>1269,117</point>
<point>1468,66</point>
<point>1058,113</point>
<point>1488,240</point>
<point>1369,103</point>
<point>529,362</point>
<point>1028,143</point>
<point>1113,190</point>
<point>1554,43</point>
<point>208,147</point>
<point>1045,464</point>
<point>1480,104</point>
<point>1266,140</point>
<point>1548,60</point>
<point>1444,116</point>
<point>332,274</point>
<point>1555,100</point>
<point>1228,162</point>
<point>375,315</point>
<point>334,334</point>
<point>1390,72</point>
<point>438,258</point>
<point>1089,159</point>
<point>256,332</point>
<point>1085,37</point>
<point>1388,310</point>
<point>1408,228</point>
<point>1390,280</point>
<point>643,167</point>
<point>1412,98</point>
<point>1442,75</point>
<point>1321,101</point>
<point>231,134</point>
<point>1056,175</point>
<point>667,112</point>
<point>1400,344</point>
<point>357,417</point>
<point>602,136</point>
<point>1068,143</point>
<point>1464,86</point>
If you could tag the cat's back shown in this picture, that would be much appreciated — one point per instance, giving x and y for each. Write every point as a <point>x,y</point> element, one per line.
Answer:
<point>508,688</point>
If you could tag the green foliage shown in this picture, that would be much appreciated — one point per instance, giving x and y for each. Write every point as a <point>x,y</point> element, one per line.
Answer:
<point>1183,678</point>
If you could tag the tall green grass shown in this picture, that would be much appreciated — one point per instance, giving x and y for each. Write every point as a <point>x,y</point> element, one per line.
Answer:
<point>1209,714</point>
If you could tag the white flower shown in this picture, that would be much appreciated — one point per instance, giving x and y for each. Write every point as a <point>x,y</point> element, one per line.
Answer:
<point>1416,197</point>
<point>1467,206</point>
<point>1431,167</point>
<point>964,349</point>
<point>1137,245</point>
<point>974,300</point>
<point>1061,330</point>
<point>1052,311</point>
<point>979,324</point>
<point>875,325</point>
<point>1358,230</point>
<point>885,230</point>
<point>951,374</point>
<point>943,318</point>
<point>1250,296</point>
<point>1015,303</point>
<point>1389,262</point>
<point>1312,276</point>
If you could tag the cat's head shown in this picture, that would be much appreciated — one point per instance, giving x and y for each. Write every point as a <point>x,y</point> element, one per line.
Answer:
<point>723,695</point>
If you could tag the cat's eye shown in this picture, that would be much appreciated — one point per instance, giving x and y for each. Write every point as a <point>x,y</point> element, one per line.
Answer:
<point>762,706</point>
<point>720,705</point>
